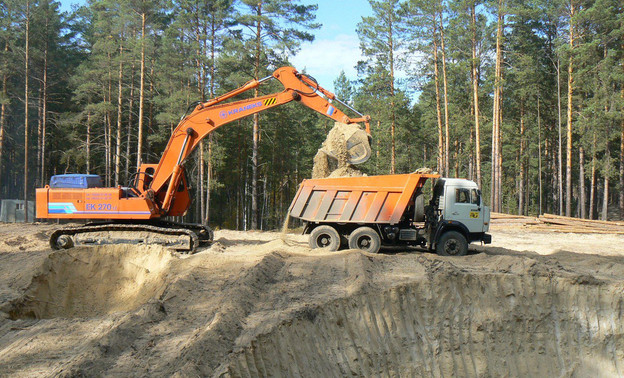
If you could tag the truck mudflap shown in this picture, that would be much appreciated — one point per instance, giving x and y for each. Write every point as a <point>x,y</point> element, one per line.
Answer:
<point>486,239</point>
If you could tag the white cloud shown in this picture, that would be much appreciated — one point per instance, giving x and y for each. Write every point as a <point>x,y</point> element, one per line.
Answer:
<point>325,58</point>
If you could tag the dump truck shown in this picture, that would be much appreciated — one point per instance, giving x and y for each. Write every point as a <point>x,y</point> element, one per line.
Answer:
<point>373,211</point>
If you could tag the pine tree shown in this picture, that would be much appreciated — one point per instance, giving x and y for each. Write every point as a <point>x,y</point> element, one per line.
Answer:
<point>269,36</point>
<point>382,40</point>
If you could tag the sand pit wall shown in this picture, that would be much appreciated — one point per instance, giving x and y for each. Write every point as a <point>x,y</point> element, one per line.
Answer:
<point>94,281</point>
<point>453,325</point>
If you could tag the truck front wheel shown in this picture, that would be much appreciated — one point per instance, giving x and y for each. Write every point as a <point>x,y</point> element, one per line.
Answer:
<point>325,237</point>
<point>452,243</point>
<point>366,239</point>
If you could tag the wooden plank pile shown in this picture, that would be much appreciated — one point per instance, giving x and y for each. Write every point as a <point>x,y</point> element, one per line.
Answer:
<point>512,219</point>
<point>558,223</point>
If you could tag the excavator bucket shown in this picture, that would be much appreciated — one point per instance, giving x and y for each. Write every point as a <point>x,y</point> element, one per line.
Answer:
<point>348,143</point>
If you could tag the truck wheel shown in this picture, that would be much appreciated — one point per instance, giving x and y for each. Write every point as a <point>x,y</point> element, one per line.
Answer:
<point>325,237</point>
<point>366,239</point>
<point>452,243</point>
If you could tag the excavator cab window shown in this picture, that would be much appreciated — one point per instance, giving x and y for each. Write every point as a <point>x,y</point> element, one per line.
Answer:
<point>149,176</point>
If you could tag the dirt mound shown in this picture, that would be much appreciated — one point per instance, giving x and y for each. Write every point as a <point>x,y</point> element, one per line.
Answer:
<point>87,282</point>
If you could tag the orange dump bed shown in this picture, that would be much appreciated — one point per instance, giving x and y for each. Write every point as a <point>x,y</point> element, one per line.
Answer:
<point>371,199</point>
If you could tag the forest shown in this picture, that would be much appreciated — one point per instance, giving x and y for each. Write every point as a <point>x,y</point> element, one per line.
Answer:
<point>525,98</point>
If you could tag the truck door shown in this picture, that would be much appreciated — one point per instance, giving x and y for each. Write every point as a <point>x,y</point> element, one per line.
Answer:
<point>464,205</point>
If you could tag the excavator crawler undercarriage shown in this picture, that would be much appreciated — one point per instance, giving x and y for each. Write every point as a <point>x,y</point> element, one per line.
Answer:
<point>181,237</point>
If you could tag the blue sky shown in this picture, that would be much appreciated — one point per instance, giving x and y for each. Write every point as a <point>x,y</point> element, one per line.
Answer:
<point>336,45</point>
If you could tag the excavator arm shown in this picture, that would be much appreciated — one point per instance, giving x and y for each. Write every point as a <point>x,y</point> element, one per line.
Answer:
<point>208,116</point>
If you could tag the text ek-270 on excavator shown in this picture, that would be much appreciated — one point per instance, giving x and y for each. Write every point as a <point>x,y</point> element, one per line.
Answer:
<point>136,214</point>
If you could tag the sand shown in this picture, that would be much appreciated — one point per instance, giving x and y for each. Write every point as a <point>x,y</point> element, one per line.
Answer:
<point>332,159</point>
<point>252,304</point>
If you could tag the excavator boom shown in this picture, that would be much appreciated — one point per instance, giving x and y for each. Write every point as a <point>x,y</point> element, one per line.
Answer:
<point>208,116</point>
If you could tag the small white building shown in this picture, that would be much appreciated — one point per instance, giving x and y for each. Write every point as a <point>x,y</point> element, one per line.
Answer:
<point>12,211</point>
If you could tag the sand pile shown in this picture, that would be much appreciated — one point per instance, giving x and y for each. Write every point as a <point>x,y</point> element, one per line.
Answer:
<point>87,282</point>
<point>255,305</point>
<point>332,159</point>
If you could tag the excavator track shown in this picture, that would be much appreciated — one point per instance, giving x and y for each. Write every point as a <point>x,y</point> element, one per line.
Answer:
<point>180,237</point>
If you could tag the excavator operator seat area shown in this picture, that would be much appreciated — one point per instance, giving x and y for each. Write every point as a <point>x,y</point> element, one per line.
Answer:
<point>144,177</point>
<point>127,192</point>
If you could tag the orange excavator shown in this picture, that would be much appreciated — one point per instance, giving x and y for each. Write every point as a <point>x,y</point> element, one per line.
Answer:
<point>136,214</point>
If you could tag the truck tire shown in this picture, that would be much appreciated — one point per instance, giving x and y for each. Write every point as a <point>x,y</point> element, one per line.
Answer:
<point>452,243</point>
<point>366,239</point>
<point>324,237</point>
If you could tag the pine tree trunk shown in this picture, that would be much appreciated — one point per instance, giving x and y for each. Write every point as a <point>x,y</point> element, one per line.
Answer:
<point>592,192</point>
<point>119,116</point>
<point>88,147</point>
<point>497,116</point>
<point>521,160</point>
<point>106,150</point>
<point>539,154</point>
<point>559,153</point>
<point>39,129</point>
<point>129,129</point>
<point>256,127</point>
<point>26,100</point>
<point>569,120</point>
<point>208,180</point>
<point>378,150</point>
<point>457,148</point>
<point>438,106</point>
<point>3,112</point>
<point>475,94</point>
<point>141,93</point>
<point>446,113</point>
<point>212,94</point>
<point>621,194</point>
<point>109,126</point>
<point>392,93</point>
<point>471,165</point>
<point>44,111</point>
<point>202,94</point>
<point>582,208</point>
<point>150,114</point>
<point>605,198</point>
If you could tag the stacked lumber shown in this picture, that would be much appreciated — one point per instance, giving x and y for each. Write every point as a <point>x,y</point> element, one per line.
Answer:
<point>558,223</point>
<point>512,219</point>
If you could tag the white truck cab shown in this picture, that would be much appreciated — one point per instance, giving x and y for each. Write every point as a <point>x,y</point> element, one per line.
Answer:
<point>457,216</point>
